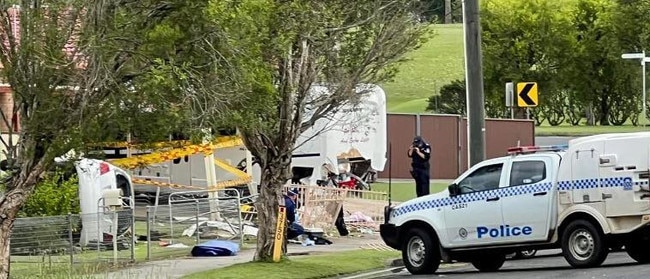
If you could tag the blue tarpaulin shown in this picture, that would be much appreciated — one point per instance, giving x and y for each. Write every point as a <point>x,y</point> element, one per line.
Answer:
<point>215,248</point>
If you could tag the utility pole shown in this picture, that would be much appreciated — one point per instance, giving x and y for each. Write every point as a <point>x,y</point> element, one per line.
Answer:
<point>474,82</point>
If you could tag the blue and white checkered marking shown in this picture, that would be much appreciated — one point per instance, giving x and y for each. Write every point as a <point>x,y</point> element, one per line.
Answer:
<point>592,183</point>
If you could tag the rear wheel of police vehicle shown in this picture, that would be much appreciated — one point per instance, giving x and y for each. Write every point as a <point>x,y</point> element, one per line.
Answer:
<point>583,245</point>
<point>489,263</point>
<point>639,250</point>
<point>420,252</point>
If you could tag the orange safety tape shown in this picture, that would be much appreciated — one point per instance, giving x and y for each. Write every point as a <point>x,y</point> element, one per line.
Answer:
<point>162,156</point>
<point>155,145</point>
<point>152,145</point>
<point>227,167</point>
<point>219,185</point>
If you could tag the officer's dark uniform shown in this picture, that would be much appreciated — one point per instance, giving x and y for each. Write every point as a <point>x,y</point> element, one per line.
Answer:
<point>294,229</point>
<point>420,166</point>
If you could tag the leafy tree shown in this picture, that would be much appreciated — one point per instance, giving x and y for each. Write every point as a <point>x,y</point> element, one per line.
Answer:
<point>525,41</point>
<point>599,73</point>
<point>451,100</point>
<point>572,49</point>
<point>74,66</point>
<point>574,107</point>
<point>632,27</point>
<point>292,45</point>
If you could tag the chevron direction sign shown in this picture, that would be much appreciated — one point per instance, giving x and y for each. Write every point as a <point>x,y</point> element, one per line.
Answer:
<point>527,94</point>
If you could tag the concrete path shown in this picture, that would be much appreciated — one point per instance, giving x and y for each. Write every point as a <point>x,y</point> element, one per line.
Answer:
<point>177,268</point>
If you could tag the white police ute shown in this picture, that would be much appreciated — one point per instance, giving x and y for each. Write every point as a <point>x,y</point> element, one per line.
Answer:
<point>585,198</point>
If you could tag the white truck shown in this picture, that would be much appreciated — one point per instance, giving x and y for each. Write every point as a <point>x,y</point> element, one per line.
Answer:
<point>354,137</point>
<point>585,198</point>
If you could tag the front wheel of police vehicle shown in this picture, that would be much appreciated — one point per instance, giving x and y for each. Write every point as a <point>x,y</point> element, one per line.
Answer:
<point>583,245</point>
<point>420,252</point>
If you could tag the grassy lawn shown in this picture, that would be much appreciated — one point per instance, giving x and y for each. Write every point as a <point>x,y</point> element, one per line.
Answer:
<point>435,64</point>
<point>90,261</point>
<point>87,262</point>
<point>317,266</point>
<point>404,191</point>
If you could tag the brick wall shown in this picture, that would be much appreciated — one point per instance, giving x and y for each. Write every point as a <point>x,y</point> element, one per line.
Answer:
<point>7,106</point>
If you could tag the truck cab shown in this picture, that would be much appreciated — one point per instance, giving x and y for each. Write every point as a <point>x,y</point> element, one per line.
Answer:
<point>585,198</point>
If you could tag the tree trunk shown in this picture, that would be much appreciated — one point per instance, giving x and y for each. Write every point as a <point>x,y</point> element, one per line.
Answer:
<point>275,173</point>
<point>604,112</point>
<point>9,207</point>
<point>448,18</point>
<point>591,119</point>
<point>21,186</point>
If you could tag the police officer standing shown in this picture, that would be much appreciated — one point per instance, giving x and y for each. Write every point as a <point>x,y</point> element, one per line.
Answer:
<point>420,152</point>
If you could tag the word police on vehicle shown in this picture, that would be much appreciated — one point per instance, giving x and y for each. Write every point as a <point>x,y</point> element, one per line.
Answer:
<point>503,231</point>
<point>585,198</point>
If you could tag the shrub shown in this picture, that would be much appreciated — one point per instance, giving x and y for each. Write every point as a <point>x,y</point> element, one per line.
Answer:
<point>55,195</point>
<point>451,99</point>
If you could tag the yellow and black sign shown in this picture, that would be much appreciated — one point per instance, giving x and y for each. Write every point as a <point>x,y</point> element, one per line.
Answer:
<point>279,234</point>
<point>527,94</point>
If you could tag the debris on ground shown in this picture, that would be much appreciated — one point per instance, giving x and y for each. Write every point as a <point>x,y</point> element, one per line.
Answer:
<point>219,229</point>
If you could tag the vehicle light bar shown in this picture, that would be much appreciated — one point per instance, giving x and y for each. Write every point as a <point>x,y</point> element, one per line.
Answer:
<point>532,149</point>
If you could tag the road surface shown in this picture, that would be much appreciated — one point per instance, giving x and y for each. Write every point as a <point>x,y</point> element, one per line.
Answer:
<point>617,265</point>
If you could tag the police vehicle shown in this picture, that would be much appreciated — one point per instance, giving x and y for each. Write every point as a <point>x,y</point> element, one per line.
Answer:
<point>585,198</point>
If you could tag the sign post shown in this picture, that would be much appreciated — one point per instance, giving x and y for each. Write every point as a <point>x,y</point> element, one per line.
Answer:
<point>509,98</point>
<point>279,234</point>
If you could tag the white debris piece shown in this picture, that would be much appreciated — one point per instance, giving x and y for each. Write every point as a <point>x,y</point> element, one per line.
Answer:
<point>177,245</point>
<point>359,217</point>
<point>223,226</point>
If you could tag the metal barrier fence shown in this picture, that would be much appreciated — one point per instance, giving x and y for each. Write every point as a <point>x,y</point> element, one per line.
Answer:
<point>60,244</point>
<point>192,217</point>
<point>320,206</point>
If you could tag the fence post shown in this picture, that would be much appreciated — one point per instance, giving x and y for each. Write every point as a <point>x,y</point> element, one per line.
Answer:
<point>241,223</point>
<point>115,223</point>
<point>132,231</point>
<point>71,240</point>
<point>100,234</point>
<point>198,238</point>
<point>148,233</point>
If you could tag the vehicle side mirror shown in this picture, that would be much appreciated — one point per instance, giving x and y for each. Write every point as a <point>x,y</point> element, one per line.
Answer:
<point>454,190</point>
